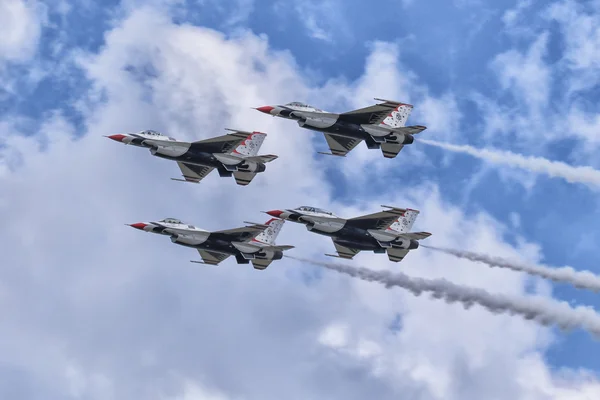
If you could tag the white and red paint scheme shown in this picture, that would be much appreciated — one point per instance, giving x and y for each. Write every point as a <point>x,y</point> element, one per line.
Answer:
<point>381,126</point>
<point>381,232</point>
<point>234,154</point>
<point>253,243</point>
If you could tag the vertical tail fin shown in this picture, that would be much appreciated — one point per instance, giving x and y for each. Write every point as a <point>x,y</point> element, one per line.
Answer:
<point>250,146</point>
<point>398,117</point>
<point>404,223</point>
<point>269,235</point>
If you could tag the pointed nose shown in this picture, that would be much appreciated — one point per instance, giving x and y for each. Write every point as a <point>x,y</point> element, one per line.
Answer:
<point>265,109</point>
<point>275,213</point>
<point>118,138</point>
<point>139,225</point>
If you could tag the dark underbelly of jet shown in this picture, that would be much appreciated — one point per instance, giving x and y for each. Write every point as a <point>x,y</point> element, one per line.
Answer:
<point>348,130</point>
<point>354,238</point>
<point>214,245</point>
<point>342,128</point>
<point>359,244</point>
<point>196,158</point>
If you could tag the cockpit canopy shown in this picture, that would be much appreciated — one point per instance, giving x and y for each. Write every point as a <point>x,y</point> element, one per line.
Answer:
<point>314,210</point>
<point>171,221</point>
<point>298,104</point>
<point>152,133</point>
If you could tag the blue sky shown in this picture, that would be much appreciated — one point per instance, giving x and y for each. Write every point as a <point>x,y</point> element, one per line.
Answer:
<point>508,93</point>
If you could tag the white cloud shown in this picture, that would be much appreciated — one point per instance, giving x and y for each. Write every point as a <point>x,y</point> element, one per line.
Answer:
<point>527,75</point>
<point>512,18</point>
<point>94,308</point>
<point>323,20</point>
<point>20,27</point>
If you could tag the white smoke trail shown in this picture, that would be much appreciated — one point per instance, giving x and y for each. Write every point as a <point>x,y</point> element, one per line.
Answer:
<point>585,175</point>
<point>533,308</point>
<point>579,279</point>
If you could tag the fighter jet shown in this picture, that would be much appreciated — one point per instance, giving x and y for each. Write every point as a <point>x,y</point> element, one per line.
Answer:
<point>384,231</point>
<point>253,243</point>
<point>381,126</point>
<point>232,154</point>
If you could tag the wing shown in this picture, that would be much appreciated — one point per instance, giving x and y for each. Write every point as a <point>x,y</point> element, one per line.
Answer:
<point>391,150</point>
<point>243,234</point>
<point>379,220</point>
<point>243,178</point>
<point>415,235</point>
<point>221,144</point>
<point>211,257</point>
<point>343,252</point>
<point>373,115</point>
<point>397,255</point>
<point>340,145</point>
<point>193,173</point>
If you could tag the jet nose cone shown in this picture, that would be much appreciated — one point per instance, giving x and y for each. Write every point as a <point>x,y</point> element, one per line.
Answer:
<point>117,138</point>
<point>265,109</point>
<point>275,213</point>
<point>139,225</point>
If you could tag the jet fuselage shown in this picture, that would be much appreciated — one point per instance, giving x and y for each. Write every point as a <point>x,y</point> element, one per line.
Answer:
<point>191,153</point>
<point>190,236</point>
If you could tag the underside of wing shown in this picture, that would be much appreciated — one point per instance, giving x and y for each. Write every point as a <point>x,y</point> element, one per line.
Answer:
<point>397,255</point>
<point>373,115</point>
<point>221,144</point>
<point>212,257</point>
<point>344,252</point>
<point>379,220</point>
<point>391,150</point>
<point>415,235</point>
<point>243,234</point>
<point>243,178</point>
<point>340,145</point>
<point>193,173</point>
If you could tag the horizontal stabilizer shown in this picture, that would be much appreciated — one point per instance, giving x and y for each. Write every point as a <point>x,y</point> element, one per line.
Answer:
<point>415,235</point>
<point>256,223</point>
<point>283,247</point>
<point>331,154</point>
<point>407,130</point>
<point>336,256</point>
<point>265,158</point>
